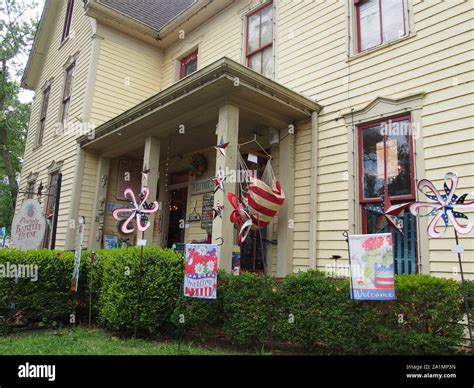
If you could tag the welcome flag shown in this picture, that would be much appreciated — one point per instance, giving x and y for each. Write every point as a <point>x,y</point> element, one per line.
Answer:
<point>200,272</point>
<point>372,267</point>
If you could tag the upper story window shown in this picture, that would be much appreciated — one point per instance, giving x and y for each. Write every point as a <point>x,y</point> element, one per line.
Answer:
<point>379,21</point>
<point>44,110</point>
<point>67,20</point>
<point>67,94</point>
<point>188,64</point>
<point>259,45</point>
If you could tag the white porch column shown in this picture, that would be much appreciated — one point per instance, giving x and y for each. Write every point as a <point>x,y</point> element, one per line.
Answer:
<point>228,130</point>
<point>286,176</point>
<point>98,209</point>
<point>151,160</point>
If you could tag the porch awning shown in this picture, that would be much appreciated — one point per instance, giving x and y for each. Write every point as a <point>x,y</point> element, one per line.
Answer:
<point>192,104</point>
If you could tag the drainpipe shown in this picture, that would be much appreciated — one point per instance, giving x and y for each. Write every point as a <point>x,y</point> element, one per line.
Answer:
<point>313,192</point>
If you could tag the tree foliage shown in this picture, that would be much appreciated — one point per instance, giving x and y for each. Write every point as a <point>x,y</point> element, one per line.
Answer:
<point>17,30</point>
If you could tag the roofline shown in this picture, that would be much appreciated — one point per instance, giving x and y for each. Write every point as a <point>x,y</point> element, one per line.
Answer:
<point>94,5</point>
<point>34,47</point>
<point>224,67</point>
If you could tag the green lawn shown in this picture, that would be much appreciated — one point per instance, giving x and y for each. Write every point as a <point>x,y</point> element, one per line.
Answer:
<point>81,341</point>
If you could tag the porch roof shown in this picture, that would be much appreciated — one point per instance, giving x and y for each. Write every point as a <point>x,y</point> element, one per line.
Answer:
<point>194,103</point>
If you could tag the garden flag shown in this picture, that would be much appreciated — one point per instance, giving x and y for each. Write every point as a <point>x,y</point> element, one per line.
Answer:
<point>200,273</point>
<point>372,267</point>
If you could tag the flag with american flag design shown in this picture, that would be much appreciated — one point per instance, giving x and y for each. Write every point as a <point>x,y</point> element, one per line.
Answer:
<point>200,272</point>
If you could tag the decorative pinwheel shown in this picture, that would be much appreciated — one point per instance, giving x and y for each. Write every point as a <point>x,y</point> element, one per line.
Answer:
<point>444,206</point>
<point>221,147</point>
<point>139,211</point>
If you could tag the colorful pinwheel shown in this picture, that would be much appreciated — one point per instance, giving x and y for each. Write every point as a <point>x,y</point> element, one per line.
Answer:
<point>139,211</point>
<point>444,206</point>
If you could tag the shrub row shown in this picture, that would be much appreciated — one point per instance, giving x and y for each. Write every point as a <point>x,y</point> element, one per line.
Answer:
<point>306,309</point>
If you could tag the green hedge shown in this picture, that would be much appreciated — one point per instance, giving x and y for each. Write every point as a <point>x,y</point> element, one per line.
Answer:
<point>118,289</point>
<point>306,309</point>
<point>46,301</point>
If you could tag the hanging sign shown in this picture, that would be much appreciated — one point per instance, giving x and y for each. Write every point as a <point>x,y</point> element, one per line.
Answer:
<point>207,212</point>
<point>202,186</point>
<point>372,267</point>
<point>29,226</point>
<point>77,254</point>
<point>200,272</point>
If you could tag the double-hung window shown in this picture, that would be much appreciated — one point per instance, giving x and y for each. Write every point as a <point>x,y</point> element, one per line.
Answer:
<point>188,64</point>
<point>44,110</point>
<point>67,95</point>
<point>259,45</point>
<point>67,20</point>
<point>379,21</point>
<point>386,173</point>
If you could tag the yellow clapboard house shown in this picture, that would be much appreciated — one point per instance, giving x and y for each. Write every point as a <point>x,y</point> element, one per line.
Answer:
<point>124,84</point>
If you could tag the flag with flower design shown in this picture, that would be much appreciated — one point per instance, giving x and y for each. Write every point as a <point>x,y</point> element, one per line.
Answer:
<point>372,267</point>
<point>200,272</point>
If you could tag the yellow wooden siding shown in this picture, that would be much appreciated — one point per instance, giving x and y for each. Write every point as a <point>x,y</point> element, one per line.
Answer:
<point>219,37</point>
<point>437,61</point>
<point>59,147</point>
<point>128,72</point>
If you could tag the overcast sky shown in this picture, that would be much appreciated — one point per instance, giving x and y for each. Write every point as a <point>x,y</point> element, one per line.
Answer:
<point>27,95</point>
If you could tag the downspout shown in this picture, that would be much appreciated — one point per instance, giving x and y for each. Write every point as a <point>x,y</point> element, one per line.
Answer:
<point>313,227</point>
<point>80,155</point>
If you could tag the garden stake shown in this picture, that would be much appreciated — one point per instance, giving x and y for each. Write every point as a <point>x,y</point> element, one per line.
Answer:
<point>92,261</point>
<point>466,301</point>
<point>139,297</point>
<point>346,235</point>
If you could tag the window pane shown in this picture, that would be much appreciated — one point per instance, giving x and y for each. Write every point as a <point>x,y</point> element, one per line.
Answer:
<point>255,62</point>
<point>398,158</point>
<point>190,68</point>
<point>369,24</point>
<point>372,162</point>
<point>65,113</point>
<point>392,19</point>
<point>254,33</point>
<point>268,62</point>
<point>267,25</point>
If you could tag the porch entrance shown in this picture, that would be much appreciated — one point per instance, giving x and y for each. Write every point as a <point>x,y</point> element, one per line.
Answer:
<point>177,218</point>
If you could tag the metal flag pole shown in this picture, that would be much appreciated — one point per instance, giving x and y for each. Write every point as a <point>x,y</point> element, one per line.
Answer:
<point>346,235</point>
<point>466,301</point>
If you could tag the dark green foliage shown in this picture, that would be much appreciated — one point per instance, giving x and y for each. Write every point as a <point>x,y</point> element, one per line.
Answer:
<point>423,320</point>
<point>249,308</point>
<point>305,309</point>
<point>47,301</point>
<point>161,277</point>
<point>202,315</point>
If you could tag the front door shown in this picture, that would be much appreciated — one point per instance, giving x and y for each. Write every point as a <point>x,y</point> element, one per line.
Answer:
<point>177,212</point>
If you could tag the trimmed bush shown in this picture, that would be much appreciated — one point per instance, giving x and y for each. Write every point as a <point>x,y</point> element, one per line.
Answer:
<point>429,309</point>
<point>161,280</point>
<point>316,311</point>
<point>203,315</point>
<point>46,301</point>
<point>249,308</point>
<point>307,308</point>
<point>423,320</point>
